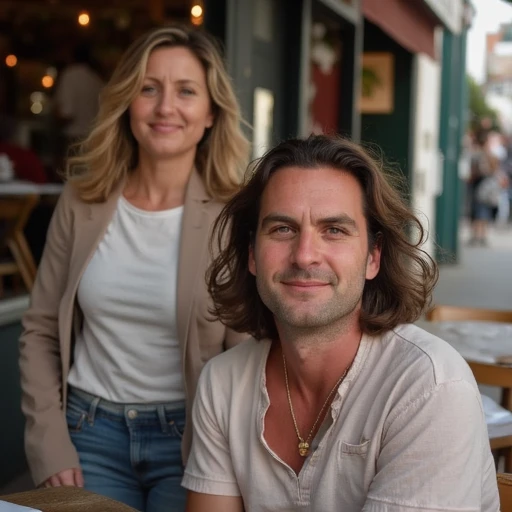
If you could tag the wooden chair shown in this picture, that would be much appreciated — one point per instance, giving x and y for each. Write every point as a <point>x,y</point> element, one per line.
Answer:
<point>444,313</point>
<point>485,374</point>
<point>505,490</point>
<point>498,376</point>
<point>14,214</point>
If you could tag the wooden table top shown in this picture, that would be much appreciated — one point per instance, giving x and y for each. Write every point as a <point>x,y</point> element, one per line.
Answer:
<point>482,342</point>
<point>66,499</point>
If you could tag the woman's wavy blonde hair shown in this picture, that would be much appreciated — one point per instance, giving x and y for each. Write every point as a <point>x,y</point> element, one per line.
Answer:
<point>110,153</point>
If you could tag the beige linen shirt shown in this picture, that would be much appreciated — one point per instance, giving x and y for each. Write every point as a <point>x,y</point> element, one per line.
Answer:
<point>406,432</point>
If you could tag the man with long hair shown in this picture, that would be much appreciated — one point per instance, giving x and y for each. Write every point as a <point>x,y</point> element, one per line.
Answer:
<point>338,402</point>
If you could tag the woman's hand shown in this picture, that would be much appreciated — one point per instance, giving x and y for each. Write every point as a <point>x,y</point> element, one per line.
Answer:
<point>72,477</point>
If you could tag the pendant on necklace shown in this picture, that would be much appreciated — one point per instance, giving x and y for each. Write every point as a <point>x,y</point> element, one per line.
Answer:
<point>303,449</point>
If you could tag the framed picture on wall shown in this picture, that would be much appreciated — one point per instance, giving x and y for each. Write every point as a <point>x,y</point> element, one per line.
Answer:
<point>377,83</point>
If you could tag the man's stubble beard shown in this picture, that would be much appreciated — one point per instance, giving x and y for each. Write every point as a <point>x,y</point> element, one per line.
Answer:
<point>329,320</point>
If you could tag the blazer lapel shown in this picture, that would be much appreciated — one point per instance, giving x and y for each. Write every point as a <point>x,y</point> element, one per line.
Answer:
<point>91,222</point>
<point>193,247</point>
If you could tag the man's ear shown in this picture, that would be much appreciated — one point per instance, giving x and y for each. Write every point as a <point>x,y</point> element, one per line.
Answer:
<point>252,262</point>
<point>373,261</point>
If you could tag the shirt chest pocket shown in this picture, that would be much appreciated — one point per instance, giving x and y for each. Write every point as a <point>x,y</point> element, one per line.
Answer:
<point>356,470</point>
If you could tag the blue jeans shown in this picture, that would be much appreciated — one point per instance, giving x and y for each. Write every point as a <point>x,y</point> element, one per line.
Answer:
<point>130,453</point>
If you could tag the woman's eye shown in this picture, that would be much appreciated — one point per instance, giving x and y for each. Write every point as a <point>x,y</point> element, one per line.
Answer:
<point>148,89</point>
<point>188,92</point>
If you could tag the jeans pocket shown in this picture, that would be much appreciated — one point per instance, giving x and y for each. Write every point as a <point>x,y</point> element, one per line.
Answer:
<point>176,422</point>
<point>75,419</point>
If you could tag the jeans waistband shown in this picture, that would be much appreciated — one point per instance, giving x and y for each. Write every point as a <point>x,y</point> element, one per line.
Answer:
<point>120,408</point>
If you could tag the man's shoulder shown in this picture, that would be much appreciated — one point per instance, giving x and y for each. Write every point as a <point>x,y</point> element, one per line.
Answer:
<point>235,372</point>
<point>434,355</point>
<point>243,356</point>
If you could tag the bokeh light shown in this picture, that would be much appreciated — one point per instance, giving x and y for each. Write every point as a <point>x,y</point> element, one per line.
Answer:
<point>196,11</point>
<point>52,71</point>
<point>196,15</point>
<point>11,60</point>
<point>47,81</point>
<point>84,19</point>
<point>37,97</point>
<point>36,107</point>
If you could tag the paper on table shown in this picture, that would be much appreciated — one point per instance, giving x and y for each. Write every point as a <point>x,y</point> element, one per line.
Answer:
<point>5,506</point>
<point>498,419</point>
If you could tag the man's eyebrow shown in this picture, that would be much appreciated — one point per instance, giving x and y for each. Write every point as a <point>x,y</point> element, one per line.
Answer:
<point>342,219</point>
<point>272,218</point>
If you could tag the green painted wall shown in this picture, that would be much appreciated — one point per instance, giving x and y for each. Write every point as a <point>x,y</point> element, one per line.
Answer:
<point>12,457</point>
<point>451,130</point>
<point>392,132</point>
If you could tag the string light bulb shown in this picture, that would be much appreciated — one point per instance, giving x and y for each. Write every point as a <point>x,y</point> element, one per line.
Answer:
<point>197,14</point>
<point>36,107</point>
<point>47,81</point>
<point>84,19</point>
<point>11,60</point>
<point>196,11</point>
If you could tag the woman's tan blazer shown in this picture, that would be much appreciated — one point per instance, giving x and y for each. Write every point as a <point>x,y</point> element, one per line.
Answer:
<point>54,317</point>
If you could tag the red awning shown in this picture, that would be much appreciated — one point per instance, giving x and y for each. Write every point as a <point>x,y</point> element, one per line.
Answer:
<point>409,24</point>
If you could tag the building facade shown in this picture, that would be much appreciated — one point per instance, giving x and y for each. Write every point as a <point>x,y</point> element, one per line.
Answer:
<point>387,72</point>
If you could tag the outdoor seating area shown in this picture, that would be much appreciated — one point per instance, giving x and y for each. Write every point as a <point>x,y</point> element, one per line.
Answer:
<point>18,200</point>
<point>482,336</point>
<point>256,255</point>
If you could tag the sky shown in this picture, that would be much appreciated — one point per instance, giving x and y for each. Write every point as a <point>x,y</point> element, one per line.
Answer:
<point>490,14</point>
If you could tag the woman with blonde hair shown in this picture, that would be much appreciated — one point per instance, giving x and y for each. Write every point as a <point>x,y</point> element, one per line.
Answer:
<point>119,328</point>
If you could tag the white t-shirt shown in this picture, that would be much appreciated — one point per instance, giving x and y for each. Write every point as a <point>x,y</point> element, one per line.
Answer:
<point>128,350</point>
<point>406,433</point>
<point>77,98</point>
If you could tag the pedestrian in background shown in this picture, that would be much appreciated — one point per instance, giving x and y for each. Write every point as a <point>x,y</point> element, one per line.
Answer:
<point>76,100</point>
<point>119,327</point>
<point>483,165</point>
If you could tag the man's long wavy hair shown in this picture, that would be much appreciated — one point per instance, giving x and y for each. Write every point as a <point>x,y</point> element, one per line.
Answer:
<point>398,294</point>
<point>110,152</point>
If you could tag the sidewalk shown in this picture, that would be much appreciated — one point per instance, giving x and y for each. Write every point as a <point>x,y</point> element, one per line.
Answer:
<point>483,275</point>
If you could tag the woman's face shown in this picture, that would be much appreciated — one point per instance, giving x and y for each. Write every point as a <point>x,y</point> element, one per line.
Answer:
<point>169,116</point>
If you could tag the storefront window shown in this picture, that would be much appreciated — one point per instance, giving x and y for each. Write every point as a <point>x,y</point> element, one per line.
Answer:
<point>325,78</point>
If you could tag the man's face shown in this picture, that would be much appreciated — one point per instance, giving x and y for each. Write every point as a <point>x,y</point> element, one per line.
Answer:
<point>310,254</point>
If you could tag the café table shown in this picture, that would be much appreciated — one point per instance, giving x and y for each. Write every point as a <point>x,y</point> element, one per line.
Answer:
<point>17,200</point>
<point>481,342</point>
<point>486,346</point>
<point>65,499</point>
<point>21,188</point>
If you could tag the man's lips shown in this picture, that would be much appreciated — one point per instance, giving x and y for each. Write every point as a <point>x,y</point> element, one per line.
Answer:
<point>305,284</point>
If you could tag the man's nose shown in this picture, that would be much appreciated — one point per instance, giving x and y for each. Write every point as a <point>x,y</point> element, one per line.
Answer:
<point>305,250</point>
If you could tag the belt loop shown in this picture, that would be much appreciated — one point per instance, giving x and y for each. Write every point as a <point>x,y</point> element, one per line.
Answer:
<point>161,417</point>
<point>92,410</point>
